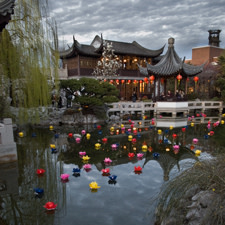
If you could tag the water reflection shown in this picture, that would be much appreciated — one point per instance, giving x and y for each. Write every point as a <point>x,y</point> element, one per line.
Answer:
<point>124,200</point>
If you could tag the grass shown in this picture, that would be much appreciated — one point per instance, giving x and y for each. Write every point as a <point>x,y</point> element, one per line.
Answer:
<point>204,176</point>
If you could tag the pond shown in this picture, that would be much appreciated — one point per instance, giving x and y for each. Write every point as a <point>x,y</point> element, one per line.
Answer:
<point>129,199</point>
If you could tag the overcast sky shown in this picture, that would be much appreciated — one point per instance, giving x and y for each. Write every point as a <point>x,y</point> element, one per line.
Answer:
<point>149,22</point>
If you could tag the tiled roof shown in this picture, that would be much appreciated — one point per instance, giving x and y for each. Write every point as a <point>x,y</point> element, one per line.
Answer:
<point>120,48</point>
<point>171,65</point>
<point>6,6</point>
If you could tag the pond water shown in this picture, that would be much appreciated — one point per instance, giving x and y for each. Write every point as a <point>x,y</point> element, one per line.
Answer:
<point>130,199</point>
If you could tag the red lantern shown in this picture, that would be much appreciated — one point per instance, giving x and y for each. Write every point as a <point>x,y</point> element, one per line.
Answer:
<point>151,78</point>
<point>122,81</point>
<point>179,77</point>
<point>183,129</point>
<point>141,81</point>
<point>117,81</point>
<point>104,140</point>
<point>162,80</point>
<point>174,136</point>
<point>129,81</point>
<point>70,135</point>
<point>134,81</point>
<point>196,79</point>
<point>111,81</point>
<point>146,80</point>
<point>99,127</point>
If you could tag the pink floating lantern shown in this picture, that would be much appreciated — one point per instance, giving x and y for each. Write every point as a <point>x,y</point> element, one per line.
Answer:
<point>50,206</point>
<point>87,167</point>
<point>82,153</point>
<point>64,176</point>
<point>107,160</point>
<point>83,132</point>
<point>140,155</point>
<point>114,146</point>
<point>176,149</point>
<point>195,141</point>
<point>78,140</point>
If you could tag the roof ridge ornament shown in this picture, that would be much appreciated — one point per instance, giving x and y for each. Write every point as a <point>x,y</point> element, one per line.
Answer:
<point>171,42</point>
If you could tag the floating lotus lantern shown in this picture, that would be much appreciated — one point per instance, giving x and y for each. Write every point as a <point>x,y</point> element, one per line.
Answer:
<point>107,160</point>
<point>85,157</point>
<point>99,127</point>
<point>77,140</point>
<point>76,170</point>
<point>144,148</point>
<point>192,124</point>
<point>106,172</point>
<point>174,136</point>
<point>87,167</point>
<point>159,131</point>
<point>156,155</point>
<point>88,136</point>
<point>40,171</point>
<point>222,122</point>
<point>82,153</point>
<point>83,132</point>
<point>38,192</point>
<point>70,135</point>
<point>140,155</point>
<point>52,146</point>
<point>206,136</point>
<point>94,185</point>
<point>114,146</point>
<point>56,136</point>
<point>137,169</point>
<point>183,129</point>
<point>51,127</point>
<point>192,147</point>
<point>112,177</point>
<point>104,140</point>
<point>112,129</point>
<point>50,206</point>
<point>64,177</point>
<point>21,134</point>
<point>130,137</point>
<point>197,152</point>
<point>131,155</point>
<point>153,122</point>
<point>150,149</point>
<point>176,149</point>
<point>208,126</point>
<point>123,130</point>
<point>171,127</point>
<point>211,133</point>
<point>166,141</point>
<point>128,130</point>
<point>134,140</point>
<point>195,141</point>
<point>97,146</point>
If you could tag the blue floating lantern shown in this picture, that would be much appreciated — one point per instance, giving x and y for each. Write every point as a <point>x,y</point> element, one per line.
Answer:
<point>166,131</point>
<point>100,132</point>
<point>206,136</point>
<point>38,192</point>
<point>166,141</point>
<point>150,127</point>
<point>112,177</point>
<point>138,135</point>
<point>54,150</point>
<point>56,136</point>
<point>76,170</point>
<point>155,155</point>
<point>33,135</point>
<point>95,125</point>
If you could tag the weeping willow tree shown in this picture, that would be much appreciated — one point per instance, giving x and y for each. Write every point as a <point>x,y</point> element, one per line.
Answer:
<point>29,59</point>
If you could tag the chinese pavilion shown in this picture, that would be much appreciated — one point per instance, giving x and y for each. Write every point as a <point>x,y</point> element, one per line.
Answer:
<point>6,9</point>
<point>170,66</point>
<point>80,60</point>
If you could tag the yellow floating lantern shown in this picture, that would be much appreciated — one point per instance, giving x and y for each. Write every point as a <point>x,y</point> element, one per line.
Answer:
<point>112,129</point>
<point>197,152</point>
<point>192,124</point>
<point>97,146</point>
<point>222,122</point>
<point>21,134</point>
<point>171,127</point>
<point>130,137</point>
<point>85,157</point>
<point>144,148</point>
<point>88,136</point>
<point>51,127</point>
<point>52,146</point>
<point>122,125</point>
<point>159,131</point>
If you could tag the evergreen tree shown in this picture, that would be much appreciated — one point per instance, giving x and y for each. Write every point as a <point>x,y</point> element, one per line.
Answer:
<point>109,64</point>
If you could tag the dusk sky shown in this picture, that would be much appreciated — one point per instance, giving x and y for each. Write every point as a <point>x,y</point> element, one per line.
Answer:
<point>148,22</point>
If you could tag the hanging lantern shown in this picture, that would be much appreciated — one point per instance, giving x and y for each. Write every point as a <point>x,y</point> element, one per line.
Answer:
<point>141,81</point>
<point>111,81</point>
<point>129,81</point>
<point>196,79</point>
<point>122,81</point>
<point>179,77</point>
<point>151,78</point>
<point>117,82</point>
<point>146,80</point>
<point>135,81</point>
<point>162,80</point>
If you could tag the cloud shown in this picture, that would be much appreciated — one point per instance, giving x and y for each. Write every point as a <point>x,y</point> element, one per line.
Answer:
<point>150,23</point>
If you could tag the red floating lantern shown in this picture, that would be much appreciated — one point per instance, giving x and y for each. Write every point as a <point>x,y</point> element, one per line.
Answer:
<point>104,140</point>
<point>183,129</point>
<point>151,78</point>
<point>50,205</point>
<point>131,154</point>
<point>196,79</point>
<point>99,127</point>
<point>179,77</point>
<point>137,169</point>
<point>70,135</point>
<point>174,136</point>
<point>40,171</point>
